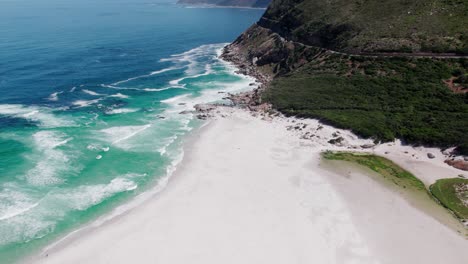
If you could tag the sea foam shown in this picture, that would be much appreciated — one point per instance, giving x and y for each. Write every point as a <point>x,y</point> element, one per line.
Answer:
<point>42,115</point>
<point>51,161</point>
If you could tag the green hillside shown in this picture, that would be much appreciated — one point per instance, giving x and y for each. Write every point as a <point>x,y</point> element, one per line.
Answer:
<point>421,100</point>
<point>373,25</point>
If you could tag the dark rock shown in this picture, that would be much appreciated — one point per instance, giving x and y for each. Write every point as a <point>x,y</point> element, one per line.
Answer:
<point>204,107</point>
<point>202,116</point>
<point>336,141</point>
<point>459,164</point>
<point>367,146</point>
<point>430,155</point>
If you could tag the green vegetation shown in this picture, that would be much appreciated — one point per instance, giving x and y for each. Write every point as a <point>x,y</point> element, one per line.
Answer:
<point>383,166</point>
<point>423,101</point>
<point>450,193</point>
<point>439,26</point>
<point>382,98</point>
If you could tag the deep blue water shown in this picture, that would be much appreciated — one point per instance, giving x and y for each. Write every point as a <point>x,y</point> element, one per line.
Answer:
<point>90,95</point>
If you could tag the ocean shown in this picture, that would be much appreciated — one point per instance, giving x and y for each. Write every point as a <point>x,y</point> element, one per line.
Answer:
<point>90,100</point>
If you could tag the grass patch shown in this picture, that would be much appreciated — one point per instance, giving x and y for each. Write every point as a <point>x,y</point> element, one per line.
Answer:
<point>449,192</point>
<point>383,166</point>
<point>445,190</point>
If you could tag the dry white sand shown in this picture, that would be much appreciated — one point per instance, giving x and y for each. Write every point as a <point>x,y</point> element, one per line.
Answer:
<point>250,191</point>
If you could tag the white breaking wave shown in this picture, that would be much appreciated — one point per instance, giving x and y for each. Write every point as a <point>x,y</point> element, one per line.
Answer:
<point>54,96</point>
<point>16,210</point>
<point>52,161</point>
<point>190,58</point>
<point>176,83</point>
<point>41,115</point>
<point>118,88</point>
<point>165,70</point>
<point>147,75</point>
<point>14,202</point>
<point>142,89</point>
<point>161,89</point>
<point>86,91</point>
<point>84,197</point>
<point>19,226</point>
<point>119,95</point>
<point>122,133</point>
<point>121,111</point>
<point>85,103</point>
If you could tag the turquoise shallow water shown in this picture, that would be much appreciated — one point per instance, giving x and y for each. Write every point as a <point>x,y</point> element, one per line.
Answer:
<point>90,96</point>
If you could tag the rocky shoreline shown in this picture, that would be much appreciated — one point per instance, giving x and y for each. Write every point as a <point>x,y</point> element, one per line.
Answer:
<point>250,99</point>
<point>253,99</point>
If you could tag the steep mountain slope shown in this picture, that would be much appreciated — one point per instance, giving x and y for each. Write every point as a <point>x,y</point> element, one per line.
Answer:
<point>238,3</point>
<point>315,57</point>
<point>373,25</point>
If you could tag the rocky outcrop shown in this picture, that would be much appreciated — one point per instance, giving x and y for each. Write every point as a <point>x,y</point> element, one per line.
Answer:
<point>264,54</point>
<point>457,163</point>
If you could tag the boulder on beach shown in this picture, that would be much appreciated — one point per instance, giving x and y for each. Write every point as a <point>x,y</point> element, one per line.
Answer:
<point>336,141</point>
<point>430,155</point>
<point>459,164</point>
<point>204,107</point>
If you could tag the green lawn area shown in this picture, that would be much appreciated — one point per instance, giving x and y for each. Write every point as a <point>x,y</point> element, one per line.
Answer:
<point>445,191</point>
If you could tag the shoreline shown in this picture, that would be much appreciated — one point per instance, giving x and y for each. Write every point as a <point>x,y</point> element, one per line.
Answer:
<point>122,210</point>
<point>209,190</point>
<point>413,159</point>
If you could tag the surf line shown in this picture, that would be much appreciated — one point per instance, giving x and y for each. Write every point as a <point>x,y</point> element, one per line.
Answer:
<point>147,75</point>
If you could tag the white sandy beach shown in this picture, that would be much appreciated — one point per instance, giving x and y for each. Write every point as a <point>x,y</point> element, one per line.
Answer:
<point>252,191</point>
